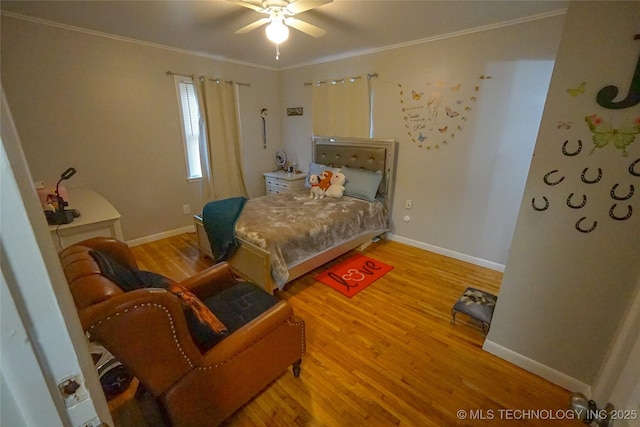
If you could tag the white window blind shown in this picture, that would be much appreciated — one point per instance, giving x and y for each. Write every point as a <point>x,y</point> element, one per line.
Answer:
<point>190,117</point>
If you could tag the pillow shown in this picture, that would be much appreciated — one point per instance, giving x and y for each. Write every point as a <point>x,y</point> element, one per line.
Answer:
<point>129,279</point>
<point>205,328</point>
<point>316,169</point>
<point>361,183</point>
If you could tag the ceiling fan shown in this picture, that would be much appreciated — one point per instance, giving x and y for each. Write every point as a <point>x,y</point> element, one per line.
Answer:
<point>281,17</point>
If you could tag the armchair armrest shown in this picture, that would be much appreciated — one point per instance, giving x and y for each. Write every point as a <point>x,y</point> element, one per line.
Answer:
<point>211,281</point>
<point>248,335</point>
<point>146,330</point>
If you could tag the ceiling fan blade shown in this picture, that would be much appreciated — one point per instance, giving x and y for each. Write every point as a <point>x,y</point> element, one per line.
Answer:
<point>305,27</point>
<point>253,26</point>
<point>299,6</point>
<point>256,7</point>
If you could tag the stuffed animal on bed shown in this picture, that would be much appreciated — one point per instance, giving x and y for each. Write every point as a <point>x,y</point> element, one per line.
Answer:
<point>325,180</point>
<point>336,189</point>
<point>316,192</point>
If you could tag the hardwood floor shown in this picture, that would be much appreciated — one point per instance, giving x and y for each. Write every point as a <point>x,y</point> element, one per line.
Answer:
<point>388,356</point>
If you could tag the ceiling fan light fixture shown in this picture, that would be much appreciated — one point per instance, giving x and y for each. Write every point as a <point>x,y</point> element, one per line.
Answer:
<point>277,31</point>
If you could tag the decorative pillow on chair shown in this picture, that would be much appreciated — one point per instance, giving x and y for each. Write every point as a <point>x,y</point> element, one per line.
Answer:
<point>206,329</point>
<point>127,278</point>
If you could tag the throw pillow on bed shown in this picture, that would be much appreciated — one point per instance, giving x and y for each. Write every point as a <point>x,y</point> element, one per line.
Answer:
<point>361,183</point>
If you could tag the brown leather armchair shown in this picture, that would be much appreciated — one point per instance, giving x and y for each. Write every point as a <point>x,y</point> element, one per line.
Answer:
<point>147,331</point>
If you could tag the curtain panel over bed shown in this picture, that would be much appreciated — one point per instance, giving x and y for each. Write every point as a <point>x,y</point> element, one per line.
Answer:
<point>220,143</point>
<point>341,107</point>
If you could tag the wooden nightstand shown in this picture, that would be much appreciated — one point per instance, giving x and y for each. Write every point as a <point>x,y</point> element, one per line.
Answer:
<point>282,182</point>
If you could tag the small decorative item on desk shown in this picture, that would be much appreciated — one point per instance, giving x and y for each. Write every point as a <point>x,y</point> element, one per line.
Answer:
<point>478,305</point>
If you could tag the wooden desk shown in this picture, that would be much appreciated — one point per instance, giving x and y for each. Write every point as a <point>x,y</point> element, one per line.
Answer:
<point>97,218</point>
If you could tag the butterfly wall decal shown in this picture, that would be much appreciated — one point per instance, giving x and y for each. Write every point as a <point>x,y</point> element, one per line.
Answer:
<point>579,90</point>
<point>416,96</point>
<point>451,113</point>
<point>604,133</point>
<point>456,88</point>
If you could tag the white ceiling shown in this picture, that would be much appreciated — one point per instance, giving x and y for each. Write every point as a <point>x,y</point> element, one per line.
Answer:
<point>353,26</point>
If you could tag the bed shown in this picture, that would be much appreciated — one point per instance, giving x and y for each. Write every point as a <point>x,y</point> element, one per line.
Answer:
<point>283,236</point>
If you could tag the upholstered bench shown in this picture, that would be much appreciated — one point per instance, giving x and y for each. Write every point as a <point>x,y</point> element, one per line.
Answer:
<point>476,304</point>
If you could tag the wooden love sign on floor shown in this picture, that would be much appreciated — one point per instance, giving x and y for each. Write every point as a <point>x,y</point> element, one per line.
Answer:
<point>354,274</point>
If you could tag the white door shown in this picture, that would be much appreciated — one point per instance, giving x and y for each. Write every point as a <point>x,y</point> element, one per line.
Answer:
<point>619,380</point>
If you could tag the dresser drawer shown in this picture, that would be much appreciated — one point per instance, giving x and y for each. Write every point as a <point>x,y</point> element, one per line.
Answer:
<point>282,182</point>
<point>273,189</point>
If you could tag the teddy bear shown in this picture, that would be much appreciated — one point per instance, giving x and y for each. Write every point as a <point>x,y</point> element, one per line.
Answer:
<point>316,192</point>
<point>325,180</point>
<point>336,189</point>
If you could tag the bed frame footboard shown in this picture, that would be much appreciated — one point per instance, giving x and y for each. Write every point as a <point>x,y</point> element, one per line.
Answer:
<point>253,264</point>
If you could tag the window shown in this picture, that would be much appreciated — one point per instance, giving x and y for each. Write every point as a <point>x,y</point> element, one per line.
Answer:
<point>190,117</point>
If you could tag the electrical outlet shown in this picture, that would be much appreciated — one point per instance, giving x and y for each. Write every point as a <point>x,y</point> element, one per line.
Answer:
<point>39,185</point>
<point>186,209</point>
<point>408,204</point>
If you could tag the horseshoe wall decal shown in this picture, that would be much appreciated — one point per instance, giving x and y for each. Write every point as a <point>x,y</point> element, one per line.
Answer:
<point>575,153</point>
<point>546,178</point>
<point>620,218</point>
<point>627,197</point>
<point>581,205</point>
<point>583,230</point>
<point>632,168</point>
<point>546,204</point>
<point>587,181</point>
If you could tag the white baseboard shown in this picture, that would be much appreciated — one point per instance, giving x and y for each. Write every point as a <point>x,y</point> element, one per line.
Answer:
<point>447,252</point>
<point>549,374</point>
<point>163,235</point>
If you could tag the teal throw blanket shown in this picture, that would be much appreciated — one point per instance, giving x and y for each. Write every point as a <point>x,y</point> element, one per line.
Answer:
<point>219,219</point>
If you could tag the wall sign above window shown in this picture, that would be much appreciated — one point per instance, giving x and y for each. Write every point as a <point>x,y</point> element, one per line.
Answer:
<point>294,111</point>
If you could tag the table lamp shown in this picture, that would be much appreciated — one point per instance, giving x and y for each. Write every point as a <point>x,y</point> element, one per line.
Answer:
<point>60,215</point>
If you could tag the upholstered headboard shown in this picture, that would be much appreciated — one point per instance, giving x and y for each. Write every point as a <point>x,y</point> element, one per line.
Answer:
<point>360,153</point>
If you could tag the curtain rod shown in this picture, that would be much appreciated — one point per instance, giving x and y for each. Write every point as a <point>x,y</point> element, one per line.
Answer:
<point>341,80</point>
<point>171,73</point>
<point>226,81</point>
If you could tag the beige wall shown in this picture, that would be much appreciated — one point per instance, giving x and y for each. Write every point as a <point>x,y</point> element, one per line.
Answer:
<point>564,292</point>
<point>107,108</point>
<point>466,193</point>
